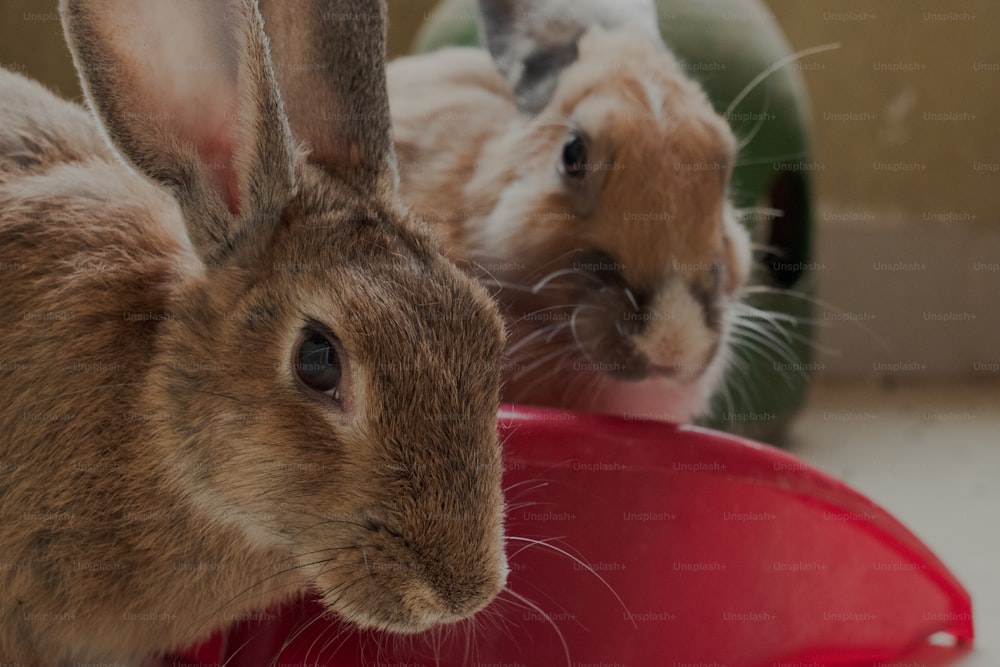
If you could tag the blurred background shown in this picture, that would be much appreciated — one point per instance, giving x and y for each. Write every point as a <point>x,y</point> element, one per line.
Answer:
<point>907,169</point>
<point>905,389</point>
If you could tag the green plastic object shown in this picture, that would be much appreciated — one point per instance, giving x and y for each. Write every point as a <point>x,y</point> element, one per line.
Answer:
<point>736,50</point>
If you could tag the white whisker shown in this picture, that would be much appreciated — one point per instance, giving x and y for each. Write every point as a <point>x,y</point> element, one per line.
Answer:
<point>747,140</point>
<point>533,607</point>
<point>780,64</point>
<point>777,291</point>
<point>541,284</point>
<point>548,331</point>
<point>547,544</point>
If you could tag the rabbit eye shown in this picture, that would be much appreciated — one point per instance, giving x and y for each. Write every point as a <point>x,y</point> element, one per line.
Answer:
<point>574,157</point>
<point>317,363</point>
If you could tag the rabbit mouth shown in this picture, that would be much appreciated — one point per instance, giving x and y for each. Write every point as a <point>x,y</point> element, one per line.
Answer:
<point>392,581</point>
<point>405,617</point>
<point>639,368</point>
<point>599,365</point>
<point>583,331</point>
<point>670,371</point>
<point>383,597</point>
<point>603,350</point>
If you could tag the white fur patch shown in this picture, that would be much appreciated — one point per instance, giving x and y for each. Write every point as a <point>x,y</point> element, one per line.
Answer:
<point>739,237</point>
<point>635,13</point>
<point>210,504</point>
<point>655,98</point>
<point>513,214</point>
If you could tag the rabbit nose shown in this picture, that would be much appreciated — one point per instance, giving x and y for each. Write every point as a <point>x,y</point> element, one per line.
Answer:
<point>463,595</point>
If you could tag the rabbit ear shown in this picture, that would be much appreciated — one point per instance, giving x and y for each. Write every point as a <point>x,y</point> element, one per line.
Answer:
<point>330,59</point>
<point>185,91</point>
<point>532,41</point>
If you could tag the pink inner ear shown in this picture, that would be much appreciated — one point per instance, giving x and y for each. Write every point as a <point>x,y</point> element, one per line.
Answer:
<point>182,61</point>
<point>217,152</point>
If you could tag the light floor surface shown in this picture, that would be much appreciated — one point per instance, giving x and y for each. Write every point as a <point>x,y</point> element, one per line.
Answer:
<point>930,455</point>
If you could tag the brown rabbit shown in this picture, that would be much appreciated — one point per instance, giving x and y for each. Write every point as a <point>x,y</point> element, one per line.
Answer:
<point>582,174</point>
<point>231,368</point>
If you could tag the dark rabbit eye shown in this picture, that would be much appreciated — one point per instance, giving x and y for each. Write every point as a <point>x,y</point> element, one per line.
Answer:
<point>574,157</point>
<point>317,364</point>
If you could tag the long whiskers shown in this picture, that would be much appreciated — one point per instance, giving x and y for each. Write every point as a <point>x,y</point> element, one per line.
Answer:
<point>825,305</point>
<point>542,283</point>
<point>548,333</point>
<point>780,64</point>
<point>538,610</point>
<point>546,544</point>
<point>748,139</point>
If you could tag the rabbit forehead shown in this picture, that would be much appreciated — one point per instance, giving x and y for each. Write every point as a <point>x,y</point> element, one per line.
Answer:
<point>667,155</point>
<point>628,77</point>
<point>664,194</point>
<point>382,287</point>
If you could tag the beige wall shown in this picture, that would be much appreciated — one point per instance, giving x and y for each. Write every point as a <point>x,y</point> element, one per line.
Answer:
<point>405,16</point>
<point>906,117</point>
<point>31,43</point>
<point>31,38</point>
<point>907,112</point>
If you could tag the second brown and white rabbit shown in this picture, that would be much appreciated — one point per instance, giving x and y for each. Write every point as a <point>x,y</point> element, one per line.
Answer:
<point>231,366</point>
<point>584,176</point>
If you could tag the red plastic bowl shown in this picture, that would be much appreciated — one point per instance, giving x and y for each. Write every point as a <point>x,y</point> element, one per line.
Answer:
<point>644,544</point>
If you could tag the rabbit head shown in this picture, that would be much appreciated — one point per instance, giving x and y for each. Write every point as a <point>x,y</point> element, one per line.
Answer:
<point>614,242</point>
<point>331,380</point>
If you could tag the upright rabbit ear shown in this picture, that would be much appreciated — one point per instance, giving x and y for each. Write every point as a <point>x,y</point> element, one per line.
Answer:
<point>330,60</point>
<point>185,91</point>
<point>532,41</point>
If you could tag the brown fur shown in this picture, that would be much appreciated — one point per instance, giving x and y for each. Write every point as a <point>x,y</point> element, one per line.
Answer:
<point>487,177</point>
<point>163,473</point>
